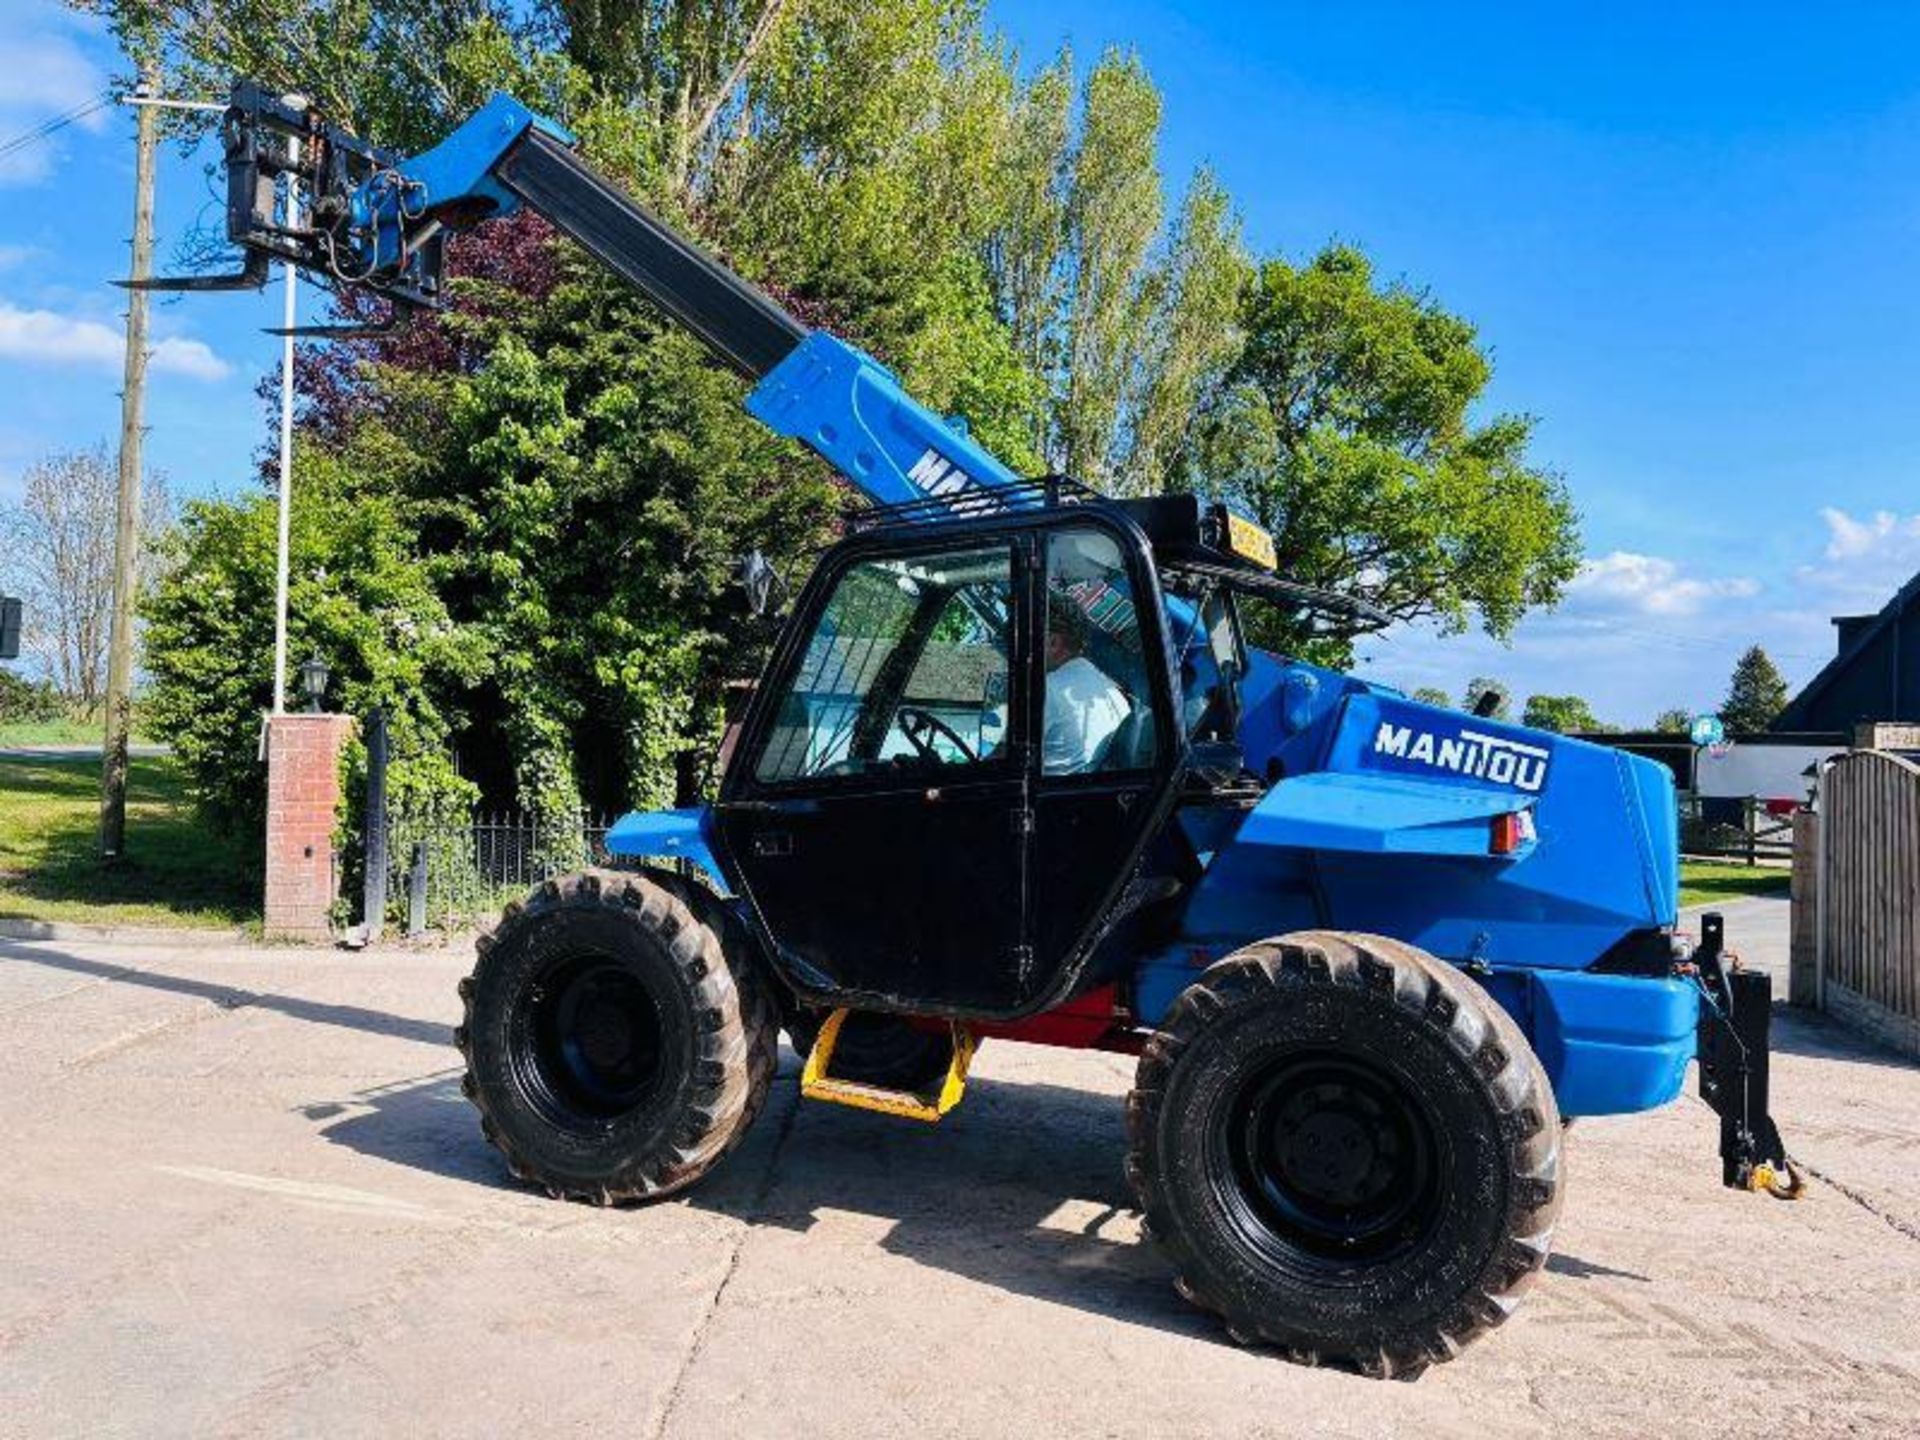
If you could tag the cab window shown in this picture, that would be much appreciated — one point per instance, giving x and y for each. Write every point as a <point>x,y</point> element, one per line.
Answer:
<point>906,670</point>
<point>1207,646</point>
<point>1099,708</point>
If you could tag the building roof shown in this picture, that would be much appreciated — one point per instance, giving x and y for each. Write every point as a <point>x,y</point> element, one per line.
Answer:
<point>1857,639</point>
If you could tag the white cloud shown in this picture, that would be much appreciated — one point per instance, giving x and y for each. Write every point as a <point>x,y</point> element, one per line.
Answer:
<point>46,338</point>
<point>191,358</point>
<point>1634,634</point>
<point>48,75</point>
<point>1878,534</point>
<point>1626,582</point>
<point>1864,562</point>
<point>12,255</point>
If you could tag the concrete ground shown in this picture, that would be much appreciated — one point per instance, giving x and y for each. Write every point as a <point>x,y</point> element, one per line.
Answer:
<point>244,1196</point>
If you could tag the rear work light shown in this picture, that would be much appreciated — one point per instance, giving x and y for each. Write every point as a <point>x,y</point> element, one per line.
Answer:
<point>1512,832</point>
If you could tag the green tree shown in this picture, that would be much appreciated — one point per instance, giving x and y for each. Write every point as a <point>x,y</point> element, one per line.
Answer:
<point>579,514</point>
<point>1125,322</point>
<point>1676,721</point>
<point>1566,714</point>
<point>400,70</point>
<point>1023,252</point>
<point>359,597</point>
<point>31,702</point>
<point>1755,695</point>
<point>1482,685</point>
<point>1113,213</point>
<point>1345,427</point>
<point>1433,695</point>
<point>1193,300</point>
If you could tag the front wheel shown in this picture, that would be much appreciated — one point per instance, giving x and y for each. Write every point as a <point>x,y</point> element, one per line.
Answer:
<point>617,1037</point>
<point>1347,1149</point>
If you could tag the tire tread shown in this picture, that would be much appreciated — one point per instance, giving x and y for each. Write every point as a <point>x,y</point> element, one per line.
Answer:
<point>1471,1023</point>
<point>736,1041</point>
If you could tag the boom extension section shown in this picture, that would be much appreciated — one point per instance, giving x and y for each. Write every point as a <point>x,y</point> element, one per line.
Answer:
<point>377,221</point>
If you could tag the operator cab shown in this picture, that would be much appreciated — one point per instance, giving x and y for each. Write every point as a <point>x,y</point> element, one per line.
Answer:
<point>968,734</point>
<point>952,786</point>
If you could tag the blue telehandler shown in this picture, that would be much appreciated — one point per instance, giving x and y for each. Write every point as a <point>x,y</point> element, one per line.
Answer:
<point>1012,772</point>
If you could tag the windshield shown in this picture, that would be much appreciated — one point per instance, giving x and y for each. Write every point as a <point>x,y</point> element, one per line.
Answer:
<point>1211,658</point>
<point>906,668</point>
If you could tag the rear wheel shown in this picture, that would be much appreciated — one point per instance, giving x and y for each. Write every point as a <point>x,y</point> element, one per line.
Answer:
<point>617,1038</point>
<point>1348,1150</point>
<point>874,1049</point>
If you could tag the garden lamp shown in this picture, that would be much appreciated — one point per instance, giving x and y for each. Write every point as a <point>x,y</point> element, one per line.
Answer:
<point>313,680</point>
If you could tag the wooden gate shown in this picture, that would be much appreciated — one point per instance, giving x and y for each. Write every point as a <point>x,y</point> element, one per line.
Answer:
<point>1868,890</point>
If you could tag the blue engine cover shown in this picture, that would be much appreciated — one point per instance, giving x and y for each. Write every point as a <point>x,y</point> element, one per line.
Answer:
<point>1382,822</point>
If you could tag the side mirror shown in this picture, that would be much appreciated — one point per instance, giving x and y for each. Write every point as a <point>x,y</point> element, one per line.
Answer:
<point>757,578</point>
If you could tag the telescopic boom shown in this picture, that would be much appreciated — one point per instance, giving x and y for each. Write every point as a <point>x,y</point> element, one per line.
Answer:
<point>376,221</point>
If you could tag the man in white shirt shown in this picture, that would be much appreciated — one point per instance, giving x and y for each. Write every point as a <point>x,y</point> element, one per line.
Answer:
<point>1084,707</point>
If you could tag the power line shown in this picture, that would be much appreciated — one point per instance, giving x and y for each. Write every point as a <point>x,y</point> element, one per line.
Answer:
<point>1708,642</point>
<point>47,127</point>
<point>59,122</point>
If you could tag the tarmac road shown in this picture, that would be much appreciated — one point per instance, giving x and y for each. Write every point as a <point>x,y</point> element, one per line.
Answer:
<point>244,1196</point>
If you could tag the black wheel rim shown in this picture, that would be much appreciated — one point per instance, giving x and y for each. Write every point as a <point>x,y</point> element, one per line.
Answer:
<point>1327,1162</point>
<point>587,1048</point>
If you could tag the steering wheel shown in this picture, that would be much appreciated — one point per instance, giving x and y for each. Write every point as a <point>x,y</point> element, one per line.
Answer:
<point>920,726</point>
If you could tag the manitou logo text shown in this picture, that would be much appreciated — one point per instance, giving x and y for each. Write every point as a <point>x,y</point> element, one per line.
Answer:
<point>939,476</point>
<point>1471,753</point>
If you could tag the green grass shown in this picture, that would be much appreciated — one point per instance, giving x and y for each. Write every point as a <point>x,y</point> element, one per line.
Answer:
<point>27,733</point>
<point>1704,881</point>
<point>175,871</point>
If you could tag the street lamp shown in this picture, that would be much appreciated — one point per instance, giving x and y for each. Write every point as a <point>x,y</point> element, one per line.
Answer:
<point>313,680</point>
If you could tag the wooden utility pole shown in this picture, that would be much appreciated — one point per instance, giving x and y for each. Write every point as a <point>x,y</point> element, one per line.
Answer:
<point>126,534</point>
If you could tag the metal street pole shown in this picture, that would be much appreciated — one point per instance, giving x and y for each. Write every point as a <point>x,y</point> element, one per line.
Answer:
<point>126,535</point>
<point>286,468</point>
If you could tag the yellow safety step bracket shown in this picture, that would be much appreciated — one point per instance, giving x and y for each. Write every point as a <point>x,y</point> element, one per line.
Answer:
<point>817,1084</point>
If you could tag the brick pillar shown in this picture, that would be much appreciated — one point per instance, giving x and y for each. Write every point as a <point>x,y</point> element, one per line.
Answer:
<point>303,795</point>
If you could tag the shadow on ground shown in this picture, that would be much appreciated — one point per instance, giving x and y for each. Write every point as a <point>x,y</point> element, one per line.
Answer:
<point>1800,1031</point>
<point>236,997</point>
<point>1021,1189</point>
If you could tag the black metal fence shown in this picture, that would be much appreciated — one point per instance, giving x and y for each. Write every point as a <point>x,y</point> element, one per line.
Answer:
<point>447,866</point>
<point>449,869</point>
<point>1735,828</point>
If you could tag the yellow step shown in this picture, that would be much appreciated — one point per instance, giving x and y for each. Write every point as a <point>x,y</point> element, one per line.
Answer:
<point>817,1084</point>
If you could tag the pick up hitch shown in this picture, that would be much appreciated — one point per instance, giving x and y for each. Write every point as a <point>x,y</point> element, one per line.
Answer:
<point>1736,1014</point>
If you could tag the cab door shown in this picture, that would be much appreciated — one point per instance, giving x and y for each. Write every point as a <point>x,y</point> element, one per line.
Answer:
<point>877,813</point>
<point>1108,737</point>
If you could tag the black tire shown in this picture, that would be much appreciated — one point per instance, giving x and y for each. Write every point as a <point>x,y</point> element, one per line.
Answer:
<point>1348,1150</point>
<point>618,1039</point>
<point>875,1049</point>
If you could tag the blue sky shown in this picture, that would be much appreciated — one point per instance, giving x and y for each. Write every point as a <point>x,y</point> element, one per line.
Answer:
<point>1689,239</point>
<point>66,210</point>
